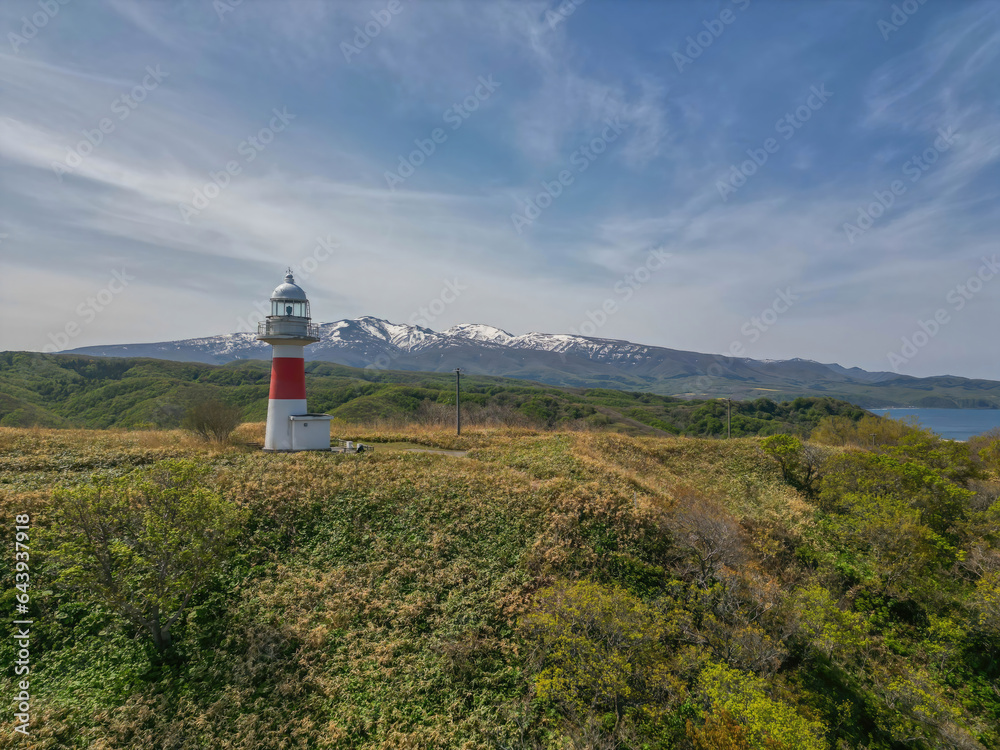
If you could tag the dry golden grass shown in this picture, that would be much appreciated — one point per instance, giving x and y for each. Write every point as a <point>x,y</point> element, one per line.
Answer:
<point>430,435</point>
<point>734,473</point>
<point>45,441</point>
<point>249,432</point>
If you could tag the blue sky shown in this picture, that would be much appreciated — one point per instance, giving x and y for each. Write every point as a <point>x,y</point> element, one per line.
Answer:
<point>636,124</point>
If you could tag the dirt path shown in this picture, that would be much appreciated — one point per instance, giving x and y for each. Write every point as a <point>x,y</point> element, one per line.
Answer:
<point>412,448</point>
<point>643,428</point>
<point>435,450</point>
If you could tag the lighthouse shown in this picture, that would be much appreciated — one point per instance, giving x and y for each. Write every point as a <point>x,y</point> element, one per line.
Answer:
<point>290,426</point>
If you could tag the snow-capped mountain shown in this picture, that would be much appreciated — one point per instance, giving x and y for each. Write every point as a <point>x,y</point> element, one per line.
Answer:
<point>369,336</point>
<point>560,359</point>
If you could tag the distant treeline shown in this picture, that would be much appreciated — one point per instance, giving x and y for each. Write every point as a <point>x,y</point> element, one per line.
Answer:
<point>79,391</point>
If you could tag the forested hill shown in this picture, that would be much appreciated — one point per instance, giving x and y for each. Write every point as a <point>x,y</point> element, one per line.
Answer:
<point>571,361</point>
<point>81,391</point>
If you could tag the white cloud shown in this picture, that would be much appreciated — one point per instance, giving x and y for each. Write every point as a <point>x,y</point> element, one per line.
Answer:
<point>324,177</point>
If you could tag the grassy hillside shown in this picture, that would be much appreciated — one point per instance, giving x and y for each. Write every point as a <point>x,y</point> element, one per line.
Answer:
<point>545,590</point>
<point>72,390</point>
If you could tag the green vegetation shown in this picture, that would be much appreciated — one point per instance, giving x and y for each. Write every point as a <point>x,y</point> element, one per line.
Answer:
<point>142,544</point>
<point>76,391</point>
<point>549,589</point>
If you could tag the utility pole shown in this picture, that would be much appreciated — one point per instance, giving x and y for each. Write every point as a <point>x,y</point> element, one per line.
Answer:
<point>458,401</point>
<point>729,419</point>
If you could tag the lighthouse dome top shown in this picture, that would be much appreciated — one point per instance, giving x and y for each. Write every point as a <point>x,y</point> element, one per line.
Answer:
<point>289,321</point>
<point>289,289</point>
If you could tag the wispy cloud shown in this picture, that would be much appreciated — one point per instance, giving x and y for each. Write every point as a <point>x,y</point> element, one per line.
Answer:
<point>655,187</point>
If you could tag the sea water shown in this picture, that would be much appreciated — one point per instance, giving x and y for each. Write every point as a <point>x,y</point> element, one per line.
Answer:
<point>954,424</point>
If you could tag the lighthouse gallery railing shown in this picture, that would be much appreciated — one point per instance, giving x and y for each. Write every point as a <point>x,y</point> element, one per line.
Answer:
<point>288,328</point>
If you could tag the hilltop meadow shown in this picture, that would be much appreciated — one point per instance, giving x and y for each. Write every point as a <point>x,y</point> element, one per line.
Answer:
<point>536,588</point>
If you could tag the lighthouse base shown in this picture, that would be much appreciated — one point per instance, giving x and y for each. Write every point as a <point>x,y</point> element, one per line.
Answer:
<point>291,428</point>
<point>278,433</point>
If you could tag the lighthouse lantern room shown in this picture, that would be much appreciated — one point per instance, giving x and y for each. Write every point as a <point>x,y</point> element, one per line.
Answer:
<point>290,426</point>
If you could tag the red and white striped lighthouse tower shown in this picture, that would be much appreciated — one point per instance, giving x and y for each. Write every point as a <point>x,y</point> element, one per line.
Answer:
<point>288,330</point>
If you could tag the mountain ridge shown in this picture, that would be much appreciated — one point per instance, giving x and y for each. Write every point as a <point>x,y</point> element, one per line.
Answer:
<point>579,361</point>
